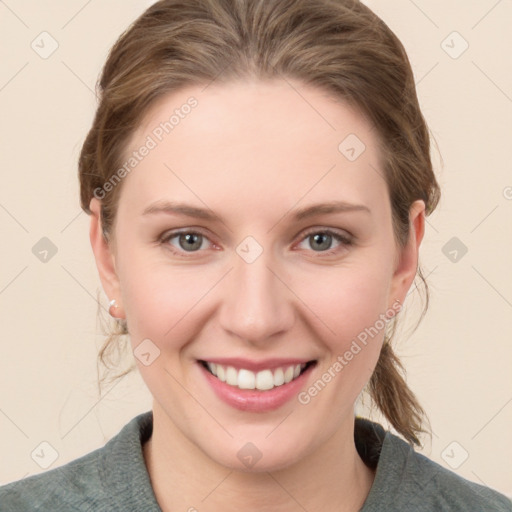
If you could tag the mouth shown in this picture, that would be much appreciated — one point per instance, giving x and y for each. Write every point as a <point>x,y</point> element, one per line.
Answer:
<point>264,379</point>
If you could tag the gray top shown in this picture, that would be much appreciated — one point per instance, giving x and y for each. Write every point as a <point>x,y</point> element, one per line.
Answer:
<point>114,478</point>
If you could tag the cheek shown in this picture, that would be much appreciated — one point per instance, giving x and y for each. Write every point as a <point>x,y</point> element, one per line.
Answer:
<point>348,299</point>
<point>350,304</point>
<point>162,300</point>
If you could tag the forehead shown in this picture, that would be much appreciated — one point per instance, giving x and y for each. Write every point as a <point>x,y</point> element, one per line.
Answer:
<point>254,144</point>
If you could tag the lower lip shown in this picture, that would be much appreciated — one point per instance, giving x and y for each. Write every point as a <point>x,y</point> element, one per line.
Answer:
<point>253,400</point>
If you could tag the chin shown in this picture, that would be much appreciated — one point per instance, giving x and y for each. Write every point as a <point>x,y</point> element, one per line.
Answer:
<point>258,456</point>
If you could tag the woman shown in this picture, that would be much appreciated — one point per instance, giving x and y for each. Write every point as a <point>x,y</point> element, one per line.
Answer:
<point>258,176</point>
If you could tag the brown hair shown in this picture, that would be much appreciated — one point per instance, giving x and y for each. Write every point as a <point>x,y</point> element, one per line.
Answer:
<point>340,46</point>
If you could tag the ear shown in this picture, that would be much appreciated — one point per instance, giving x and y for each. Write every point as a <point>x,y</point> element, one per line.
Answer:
<point>407,257</point>
<point>105,258</point>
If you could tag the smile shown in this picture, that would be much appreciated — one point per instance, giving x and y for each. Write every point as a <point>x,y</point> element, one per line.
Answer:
<point>262,380</point>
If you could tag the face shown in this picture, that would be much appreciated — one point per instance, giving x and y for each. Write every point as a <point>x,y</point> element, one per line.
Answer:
<point>224,263</point>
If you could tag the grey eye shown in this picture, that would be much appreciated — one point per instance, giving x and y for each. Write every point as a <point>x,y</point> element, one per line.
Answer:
<point>320,241</point>
<point>190,241</point>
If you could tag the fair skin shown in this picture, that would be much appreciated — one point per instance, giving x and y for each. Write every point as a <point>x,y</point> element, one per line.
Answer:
<point>254,153</point>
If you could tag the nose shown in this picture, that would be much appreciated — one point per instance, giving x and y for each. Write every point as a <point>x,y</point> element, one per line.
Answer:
<point>257,305</point>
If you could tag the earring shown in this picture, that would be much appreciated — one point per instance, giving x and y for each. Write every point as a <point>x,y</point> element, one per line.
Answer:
<point>112,304</point>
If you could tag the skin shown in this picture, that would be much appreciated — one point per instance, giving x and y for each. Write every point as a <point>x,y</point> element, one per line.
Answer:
<point>254,152</point>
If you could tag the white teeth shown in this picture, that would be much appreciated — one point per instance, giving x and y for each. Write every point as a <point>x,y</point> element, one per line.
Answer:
<point>221,373</point>
<point>262,380</point>
<point>278,377</point>
<point>246,379</point>
<point>288,374</point>
<point>231,376</point>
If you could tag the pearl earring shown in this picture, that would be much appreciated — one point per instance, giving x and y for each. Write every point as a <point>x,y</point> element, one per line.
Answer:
<point>112,304</point>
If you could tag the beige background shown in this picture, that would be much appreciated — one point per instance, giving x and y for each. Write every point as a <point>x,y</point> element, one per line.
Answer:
<point>459,361</point>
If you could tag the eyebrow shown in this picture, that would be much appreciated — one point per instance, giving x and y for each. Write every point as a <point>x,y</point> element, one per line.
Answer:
<point>174,208</point>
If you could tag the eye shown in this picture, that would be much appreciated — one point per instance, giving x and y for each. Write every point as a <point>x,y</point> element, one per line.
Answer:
<point>321,240</point>
<point>185,241</point>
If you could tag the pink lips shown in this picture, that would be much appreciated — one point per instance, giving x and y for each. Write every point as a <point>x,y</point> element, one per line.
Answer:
<point>255,366</point>
<point>250,400</point>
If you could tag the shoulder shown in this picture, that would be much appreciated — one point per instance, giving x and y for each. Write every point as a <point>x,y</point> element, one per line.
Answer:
<point>441,489</point>
<point>407,480</point>
<point>67,487</point>
<point>91,482</point>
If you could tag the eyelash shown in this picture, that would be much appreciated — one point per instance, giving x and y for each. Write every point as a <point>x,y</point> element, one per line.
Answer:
<point>344,240</point>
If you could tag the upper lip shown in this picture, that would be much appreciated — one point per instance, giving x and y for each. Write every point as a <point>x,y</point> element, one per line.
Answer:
<point>249,364</point>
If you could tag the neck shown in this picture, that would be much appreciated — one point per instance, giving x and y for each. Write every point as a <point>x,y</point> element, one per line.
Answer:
<point>184,478</point>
